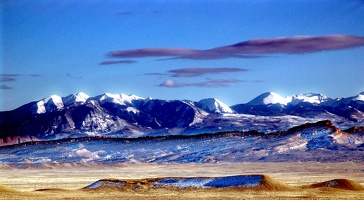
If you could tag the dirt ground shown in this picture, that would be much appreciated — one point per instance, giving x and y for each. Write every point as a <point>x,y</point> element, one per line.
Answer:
<point>64,181</point>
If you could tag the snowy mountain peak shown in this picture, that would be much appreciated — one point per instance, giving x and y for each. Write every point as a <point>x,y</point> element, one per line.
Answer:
<point>82,96</point>
<point>214,105</point>
<point>359,97</point>
<point>131,97</point>
<point>268,98</point>
<point>47,104</point>
<point>113,98</point>
<point>79,98</point>
<point>121,99</point>
<point>309,98</point>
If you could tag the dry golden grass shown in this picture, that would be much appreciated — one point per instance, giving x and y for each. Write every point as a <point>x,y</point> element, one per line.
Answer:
<point>162,194</point>
<point>344,184</point>
<point>283,181</point>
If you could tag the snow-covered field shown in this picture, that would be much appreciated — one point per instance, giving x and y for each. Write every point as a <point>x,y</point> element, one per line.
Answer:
<point>311,142</point>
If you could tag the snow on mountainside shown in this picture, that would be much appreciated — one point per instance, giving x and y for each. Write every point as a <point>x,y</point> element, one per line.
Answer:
<point>315,142</point>
<point>309,98</point>
<point>48,104</point>
<point>79,98</point>
<point>268,98</point>
<point>121,115</point>
<point>305,105</point>
<point>121,99</point>
<point>360,97</point>
<point>214,106</point>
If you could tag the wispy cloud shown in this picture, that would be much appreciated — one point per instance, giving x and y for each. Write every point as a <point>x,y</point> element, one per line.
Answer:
<point>9,75</point>
<point>124,13</point>
<point>5,87</point>
<point>71,76</point>
<point>257,81</point>
<point>113,62</point>
<point>12,78</point>
<point>7,79</point>
<point>209,83</point>
<point>250,48</point>
<point>155,74</point>
<point>193,72</point>
<point>188,72</point>
<point>36,75</point>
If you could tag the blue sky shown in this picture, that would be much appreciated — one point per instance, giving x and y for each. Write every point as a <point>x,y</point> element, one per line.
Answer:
<point>180,49</point>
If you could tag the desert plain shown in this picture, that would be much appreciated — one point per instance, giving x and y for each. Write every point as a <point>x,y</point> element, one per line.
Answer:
<point>68,180</point>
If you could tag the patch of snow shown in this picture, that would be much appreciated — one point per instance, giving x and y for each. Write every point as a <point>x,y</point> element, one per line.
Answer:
<point>341,138</point>
<point>184,182</point>
<point>88,154</point>
<point>106,183</point>
<point>217,182</point>
<point>132,109</point>
<point>199,116</point>
<point>92,133</point>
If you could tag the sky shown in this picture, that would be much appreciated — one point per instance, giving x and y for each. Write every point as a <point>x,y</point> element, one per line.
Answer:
<point>229,50</point>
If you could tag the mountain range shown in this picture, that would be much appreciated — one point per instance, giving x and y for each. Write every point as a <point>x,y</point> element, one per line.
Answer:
<point>120,115</point>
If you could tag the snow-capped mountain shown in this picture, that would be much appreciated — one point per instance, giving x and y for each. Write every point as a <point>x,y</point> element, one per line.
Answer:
<point>214,106</point>
<point>121,115</point>
<point>268,98</point>
<point>305,105</point>
<point>266,104</point>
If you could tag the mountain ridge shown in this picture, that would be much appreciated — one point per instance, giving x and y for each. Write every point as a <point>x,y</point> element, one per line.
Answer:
<point>120,115</point>
<point>263,99</point>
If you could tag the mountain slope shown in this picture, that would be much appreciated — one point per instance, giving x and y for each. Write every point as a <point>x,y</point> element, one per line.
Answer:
<point>120,115</point>
<point>318,142</point>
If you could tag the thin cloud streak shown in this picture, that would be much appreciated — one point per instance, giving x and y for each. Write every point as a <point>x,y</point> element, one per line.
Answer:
<point>250,48</point>
<point>71,76</point>
<point>190,72</point>
<point>155,74</point>
<point>9,75</point>
<point>7,79</point>
<point>209,83</point>
<point>17,75</point>
<point>5,87</point>
<point>124,13</point>
<point>36,75</point>
<point>14,77</point>
<point>112,62</point>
